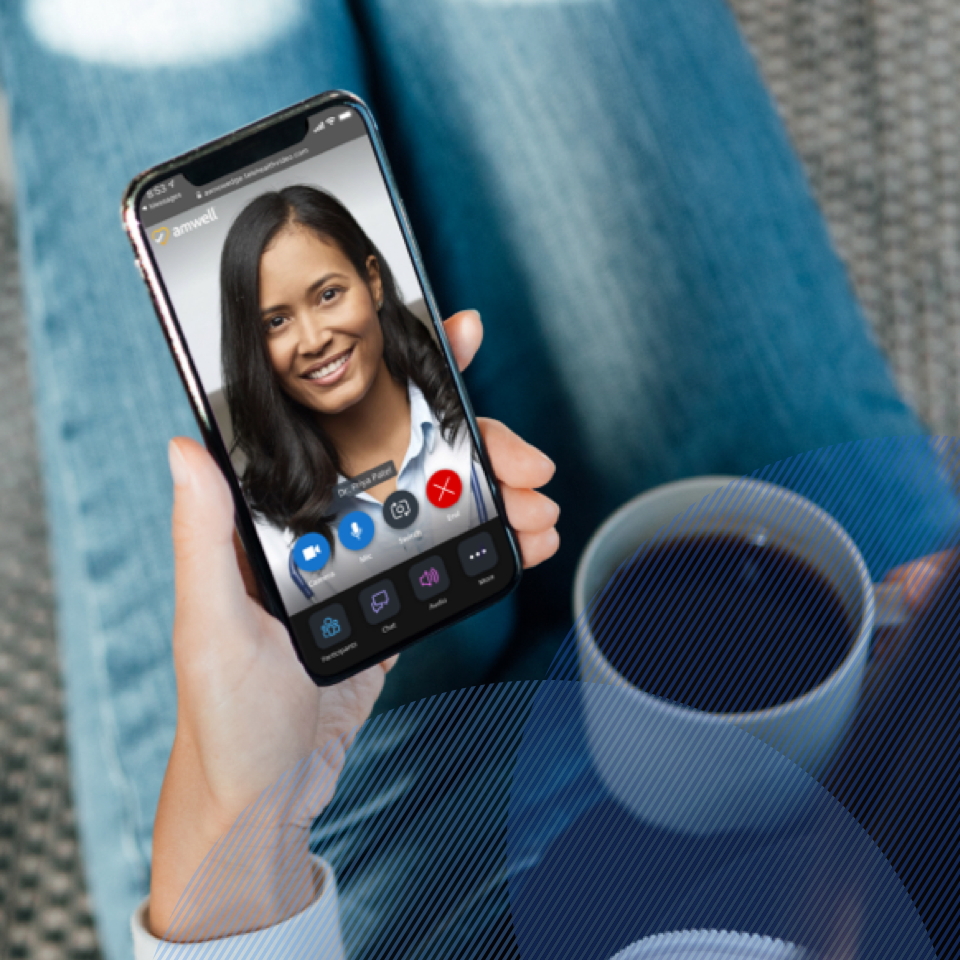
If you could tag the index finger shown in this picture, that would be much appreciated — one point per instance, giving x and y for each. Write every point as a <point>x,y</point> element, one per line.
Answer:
<point>920,577</point>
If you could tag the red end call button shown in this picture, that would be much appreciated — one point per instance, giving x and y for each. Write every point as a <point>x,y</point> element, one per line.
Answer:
<point>444,489</point>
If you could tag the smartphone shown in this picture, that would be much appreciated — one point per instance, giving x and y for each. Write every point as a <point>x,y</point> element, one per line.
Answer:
<point>292,295</point>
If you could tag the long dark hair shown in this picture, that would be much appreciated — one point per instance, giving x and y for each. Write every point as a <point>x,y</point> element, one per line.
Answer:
<point>292,465</point>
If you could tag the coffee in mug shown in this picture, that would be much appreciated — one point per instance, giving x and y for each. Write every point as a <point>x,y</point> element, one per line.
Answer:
<point>721,623</point>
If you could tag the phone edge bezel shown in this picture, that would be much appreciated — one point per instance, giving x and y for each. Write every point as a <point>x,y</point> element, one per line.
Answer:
<point>197,397</point>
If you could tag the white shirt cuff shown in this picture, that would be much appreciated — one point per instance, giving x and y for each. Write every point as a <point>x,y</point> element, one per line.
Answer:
<point>315,933</point>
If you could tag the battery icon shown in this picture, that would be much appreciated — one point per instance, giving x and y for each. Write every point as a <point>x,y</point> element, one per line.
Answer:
<point>345,116</point>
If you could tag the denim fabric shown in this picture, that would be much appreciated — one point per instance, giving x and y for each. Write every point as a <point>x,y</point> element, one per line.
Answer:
<point>610,185</point>
<point>606,181</point>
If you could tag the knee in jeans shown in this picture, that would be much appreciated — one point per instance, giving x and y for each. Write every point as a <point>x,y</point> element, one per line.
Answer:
<point>166,33</point>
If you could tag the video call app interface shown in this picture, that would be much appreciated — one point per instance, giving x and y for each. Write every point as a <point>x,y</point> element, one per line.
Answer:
<point>302,311</point>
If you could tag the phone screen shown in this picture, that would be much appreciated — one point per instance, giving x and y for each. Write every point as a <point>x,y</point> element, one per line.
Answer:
<point>298,299</point>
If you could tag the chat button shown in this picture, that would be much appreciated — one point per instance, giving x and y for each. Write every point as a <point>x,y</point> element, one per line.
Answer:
<point>380,602</point>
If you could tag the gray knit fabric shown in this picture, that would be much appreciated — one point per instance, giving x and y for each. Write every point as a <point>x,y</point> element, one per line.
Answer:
<point>870,90</point>
<point>43,908</point>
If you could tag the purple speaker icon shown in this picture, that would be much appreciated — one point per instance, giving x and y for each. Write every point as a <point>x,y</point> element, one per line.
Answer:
<point>429,578</point>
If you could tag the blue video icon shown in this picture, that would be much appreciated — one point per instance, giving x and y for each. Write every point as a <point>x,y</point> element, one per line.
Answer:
<point>311,552</point>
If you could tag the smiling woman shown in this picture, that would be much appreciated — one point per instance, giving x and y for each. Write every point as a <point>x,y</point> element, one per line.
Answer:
<point>328,375</point>
<point>321,322</point>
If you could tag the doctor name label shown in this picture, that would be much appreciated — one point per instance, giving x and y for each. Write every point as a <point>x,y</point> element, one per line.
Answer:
<point>366,480</point>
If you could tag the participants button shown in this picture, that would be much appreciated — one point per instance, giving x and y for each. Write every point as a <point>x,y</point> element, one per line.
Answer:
<point>380,602</point>
<point>400,509</point>
<point>311,552</point>
<point>429,578</point>
<point>477,554</point>
<point>355,530</point>
<point>444,489</point>
<point>330,626</point>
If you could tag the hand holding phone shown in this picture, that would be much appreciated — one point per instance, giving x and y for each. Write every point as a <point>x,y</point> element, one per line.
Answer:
<point>247,713</point>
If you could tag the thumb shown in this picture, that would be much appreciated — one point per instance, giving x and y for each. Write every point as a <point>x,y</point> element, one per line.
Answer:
<point>464,330</point>
<point>206,562</point>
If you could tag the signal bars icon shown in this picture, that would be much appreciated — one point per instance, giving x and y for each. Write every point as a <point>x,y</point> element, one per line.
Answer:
<point>331,120</point>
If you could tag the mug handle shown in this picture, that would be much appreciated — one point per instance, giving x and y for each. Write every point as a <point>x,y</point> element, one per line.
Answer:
<point>891,611</point>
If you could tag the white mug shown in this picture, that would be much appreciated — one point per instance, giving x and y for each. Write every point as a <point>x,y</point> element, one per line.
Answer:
<point>710,945</point>
<point>688,770</point>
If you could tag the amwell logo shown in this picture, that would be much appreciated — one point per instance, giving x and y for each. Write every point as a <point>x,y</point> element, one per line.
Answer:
<point>195,224</point>
<point>161,235</point>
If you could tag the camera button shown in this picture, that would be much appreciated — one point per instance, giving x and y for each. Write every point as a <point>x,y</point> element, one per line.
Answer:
<point>311,552</point>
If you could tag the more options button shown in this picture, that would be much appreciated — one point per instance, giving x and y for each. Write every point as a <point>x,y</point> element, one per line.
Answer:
<point>477,554</point>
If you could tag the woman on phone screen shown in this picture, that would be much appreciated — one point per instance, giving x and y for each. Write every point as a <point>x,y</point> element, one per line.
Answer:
<point>328,375</point>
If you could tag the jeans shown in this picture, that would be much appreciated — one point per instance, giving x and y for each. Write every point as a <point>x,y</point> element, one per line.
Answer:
<point>607,181</point>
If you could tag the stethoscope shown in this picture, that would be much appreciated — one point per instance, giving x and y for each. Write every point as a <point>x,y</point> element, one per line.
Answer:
<point>475,488</point>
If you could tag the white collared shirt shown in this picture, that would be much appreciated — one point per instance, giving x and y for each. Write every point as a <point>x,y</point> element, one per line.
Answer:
<point>427,453</point>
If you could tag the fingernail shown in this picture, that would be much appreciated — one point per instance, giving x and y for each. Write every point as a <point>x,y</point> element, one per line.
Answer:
<point>178,466</point>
